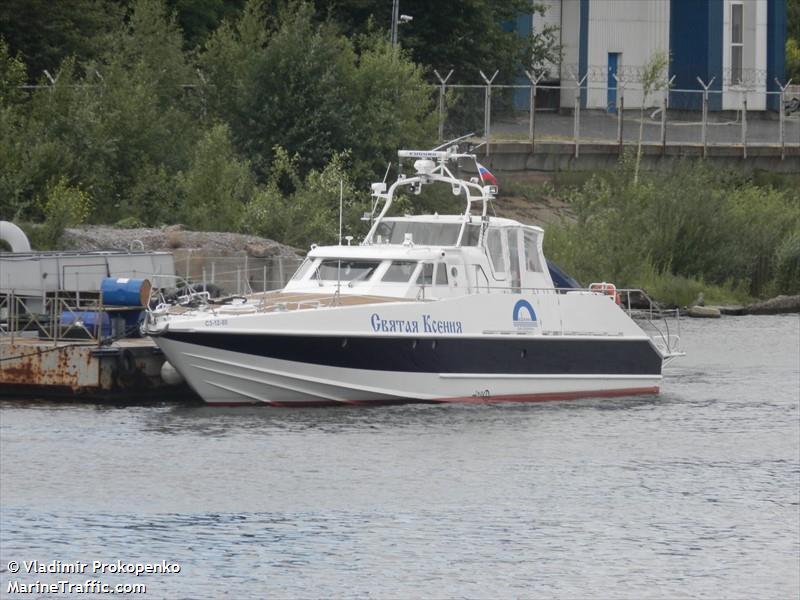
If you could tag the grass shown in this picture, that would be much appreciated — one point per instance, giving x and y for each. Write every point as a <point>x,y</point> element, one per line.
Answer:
<point>676,290</point>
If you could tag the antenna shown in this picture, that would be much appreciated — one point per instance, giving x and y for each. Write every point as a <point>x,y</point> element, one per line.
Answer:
<point>453,141</point>
<point>341,202</point>
<point>339,263</point>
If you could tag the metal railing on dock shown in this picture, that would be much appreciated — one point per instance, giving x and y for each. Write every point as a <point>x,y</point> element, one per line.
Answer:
<point>65,316</point>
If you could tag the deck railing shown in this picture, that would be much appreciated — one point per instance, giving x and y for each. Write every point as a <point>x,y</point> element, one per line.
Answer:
<point>62,316</point>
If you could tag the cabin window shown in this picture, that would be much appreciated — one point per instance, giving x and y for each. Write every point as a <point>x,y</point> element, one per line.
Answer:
<point>441,274</point>
<point>480,278</point>
<point>400,271</point>
<point>532,263</point>
<point>302,269</point>
<point>494,245</point>
<point>471,235</point>
<point>422,234</point>
<point>334,269</point>
<point>513,253</point>
<point>426,274</point>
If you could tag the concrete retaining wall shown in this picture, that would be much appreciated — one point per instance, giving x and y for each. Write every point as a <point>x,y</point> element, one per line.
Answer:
<point>560,156</point>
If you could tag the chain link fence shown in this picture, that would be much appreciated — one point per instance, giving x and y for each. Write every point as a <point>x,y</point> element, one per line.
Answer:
<point>541,112</point>
<point>234,274</point>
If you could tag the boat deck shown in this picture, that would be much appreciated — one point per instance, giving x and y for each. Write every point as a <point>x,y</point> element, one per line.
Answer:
<point>281,301</point>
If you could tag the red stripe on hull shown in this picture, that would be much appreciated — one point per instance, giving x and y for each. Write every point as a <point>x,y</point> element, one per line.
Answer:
<point>547,397</point>
<point>552,396</point>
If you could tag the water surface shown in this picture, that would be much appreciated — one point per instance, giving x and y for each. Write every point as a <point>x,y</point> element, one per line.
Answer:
<point>693,493</point>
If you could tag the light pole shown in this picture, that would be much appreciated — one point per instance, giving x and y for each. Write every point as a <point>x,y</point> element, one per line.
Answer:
<point>397,19</point>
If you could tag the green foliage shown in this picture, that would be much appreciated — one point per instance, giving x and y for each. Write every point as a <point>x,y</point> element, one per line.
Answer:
<point>310,212</point>
<point>199,18</point>
<point>12,76</point>
<point>120,124</point>
<point>300,85</point>
<point>677,290</point>
<point>653,78</point>
<point>793,19</point>
<point>154,197</point>
<point>45,32</point>
<point>787,264</point>
<point>217,185</point>
<point>130,223</point>
<point>701,225</point>
<point>479,34</point>
<point>63,206</point>
<point>793,59</point>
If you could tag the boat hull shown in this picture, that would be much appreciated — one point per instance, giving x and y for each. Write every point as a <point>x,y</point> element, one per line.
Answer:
<point>284,370</point>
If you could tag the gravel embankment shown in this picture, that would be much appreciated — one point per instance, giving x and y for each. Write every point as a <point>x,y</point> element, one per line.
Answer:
<point>170,239</point>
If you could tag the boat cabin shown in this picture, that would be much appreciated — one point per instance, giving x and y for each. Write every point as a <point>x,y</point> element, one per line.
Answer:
<point>428,257</point>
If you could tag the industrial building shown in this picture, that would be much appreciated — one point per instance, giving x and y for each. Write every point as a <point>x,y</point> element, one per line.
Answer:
<point>736,45</point>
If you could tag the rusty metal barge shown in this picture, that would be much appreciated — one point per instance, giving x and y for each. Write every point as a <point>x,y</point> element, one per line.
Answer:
<point>61,337</point>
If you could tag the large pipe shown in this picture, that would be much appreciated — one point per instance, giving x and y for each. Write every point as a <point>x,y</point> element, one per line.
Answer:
<point>15,237</point>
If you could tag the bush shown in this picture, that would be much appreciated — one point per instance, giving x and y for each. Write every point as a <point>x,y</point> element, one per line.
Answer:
<point>64,206</point>
<point>689,228</point>
<point>300,211</point>
<point>787,265</point>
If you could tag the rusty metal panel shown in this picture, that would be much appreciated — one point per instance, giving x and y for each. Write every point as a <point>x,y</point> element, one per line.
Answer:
<point>29,362</point>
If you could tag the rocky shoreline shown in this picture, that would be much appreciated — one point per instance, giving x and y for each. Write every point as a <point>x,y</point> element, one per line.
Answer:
<point>774,306</point>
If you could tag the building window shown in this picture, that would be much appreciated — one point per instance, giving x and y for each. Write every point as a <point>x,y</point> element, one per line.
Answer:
<point>736,43</point>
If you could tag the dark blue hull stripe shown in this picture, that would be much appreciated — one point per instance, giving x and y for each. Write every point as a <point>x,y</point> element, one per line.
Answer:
<point>526,356</point>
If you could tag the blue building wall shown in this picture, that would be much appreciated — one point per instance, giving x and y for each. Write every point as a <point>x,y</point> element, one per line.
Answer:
<point>695,40</point>
<point>583,50</point>
<point>776,50</point>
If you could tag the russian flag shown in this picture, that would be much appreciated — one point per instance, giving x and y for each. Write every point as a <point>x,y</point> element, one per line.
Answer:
<point>485,175</point>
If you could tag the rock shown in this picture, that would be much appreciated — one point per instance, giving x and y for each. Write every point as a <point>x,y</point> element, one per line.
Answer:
<point>638,300</point>
<point>700,301</point>
<point>170,238</point>
<point>734,310</point>
<point>703,312</point>
<point>776,306</point>
<point>261,249</point>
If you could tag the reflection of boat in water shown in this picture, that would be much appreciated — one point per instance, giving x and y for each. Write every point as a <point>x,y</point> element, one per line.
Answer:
<point>426,308</point>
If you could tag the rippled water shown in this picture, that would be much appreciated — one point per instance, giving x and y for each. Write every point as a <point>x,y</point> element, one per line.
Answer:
<point>695,492</point>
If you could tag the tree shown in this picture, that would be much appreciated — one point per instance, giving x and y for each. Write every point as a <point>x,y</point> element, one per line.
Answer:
<point>301,85</point>
<point>467,36</point>
<point>793,20</point>
<point>12,76</point>
<point>64,206</point>
<point>652,79</point>
<point>46,32</point>
<point>115,128</point>
<point>198,19</point>
<point>310,214</point>
<point>217,185</point>
<point>793,59</point>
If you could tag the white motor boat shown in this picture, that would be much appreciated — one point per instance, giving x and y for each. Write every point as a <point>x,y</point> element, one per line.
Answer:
<point>433,308</point>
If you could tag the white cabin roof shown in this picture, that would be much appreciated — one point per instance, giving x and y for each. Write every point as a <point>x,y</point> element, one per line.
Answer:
<point>475,220</point>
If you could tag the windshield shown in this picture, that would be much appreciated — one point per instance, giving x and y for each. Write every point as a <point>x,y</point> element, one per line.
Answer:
<point>334,269</point>
<point>302,269</point>
<point>400,271</point>
<point>425,234</point>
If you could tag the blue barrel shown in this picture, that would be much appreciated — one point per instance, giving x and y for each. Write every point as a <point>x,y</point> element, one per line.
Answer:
<point>98,322</point>
<point>124,291</point>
